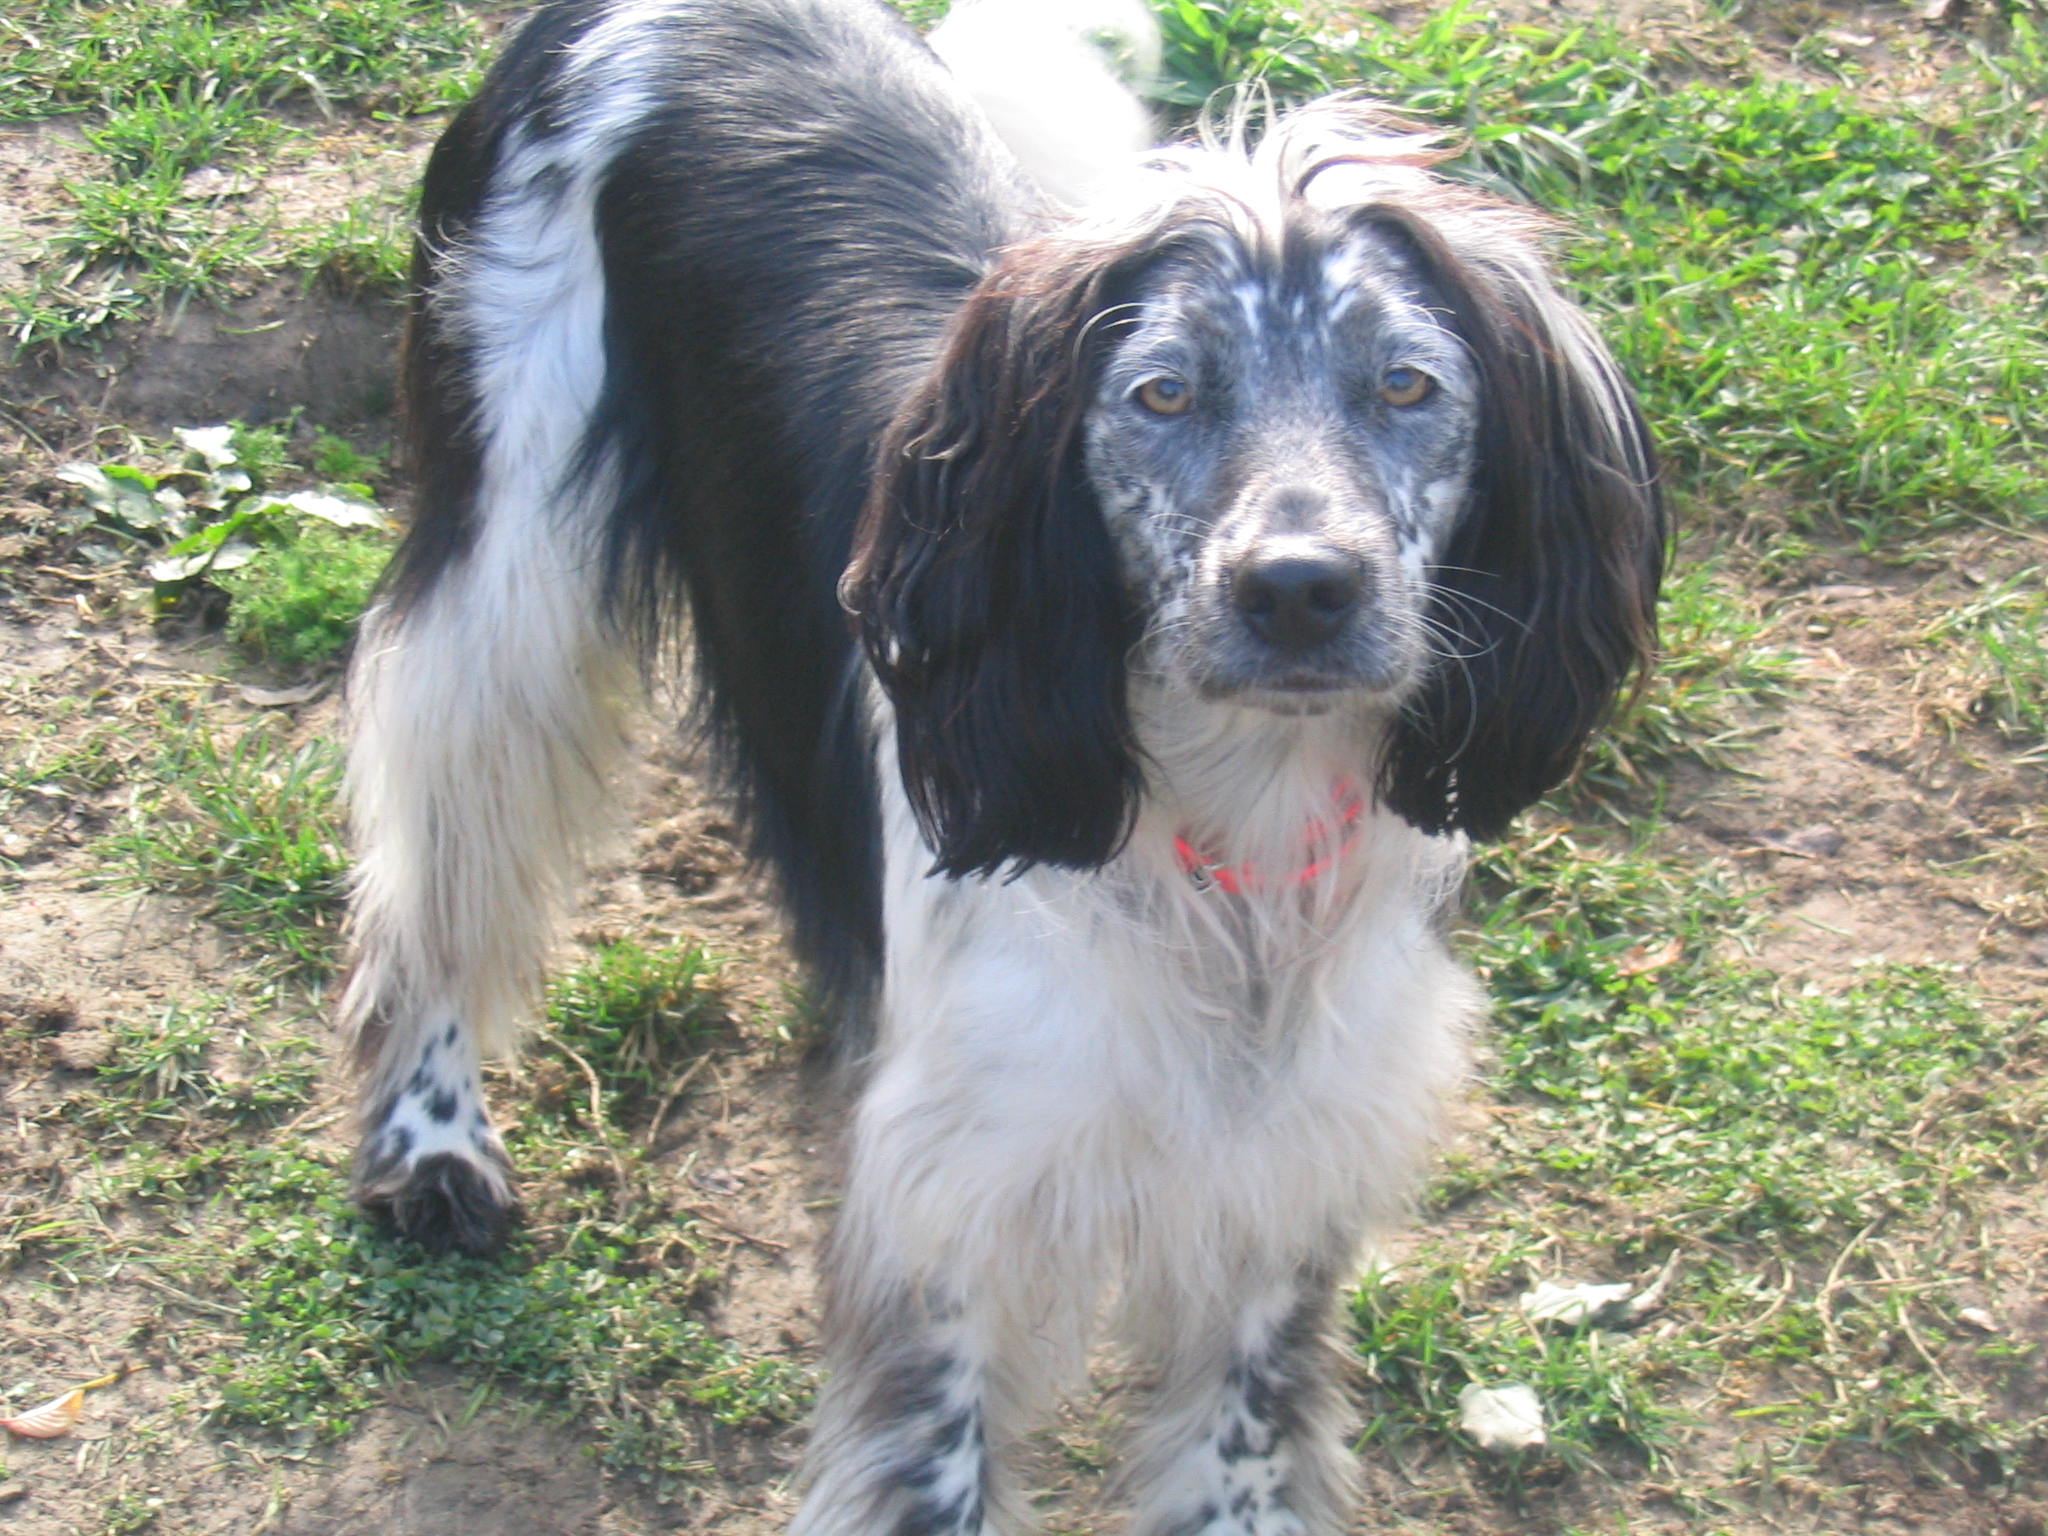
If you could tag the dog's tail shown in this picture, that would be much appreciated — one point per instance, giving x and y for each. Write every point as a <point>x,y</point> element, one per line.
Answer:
<point>1059,79</point>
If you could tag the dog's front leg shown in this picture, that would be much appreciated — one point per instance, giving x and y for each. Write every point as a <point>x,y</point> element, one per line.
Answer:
<point>901,1445</point>
<point>957,1311</point>
<point>1247,1436</point>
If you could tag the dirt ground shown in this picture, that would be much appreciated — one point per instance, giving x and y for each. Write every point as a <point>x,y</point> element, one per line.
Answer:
<point>1870,814</point>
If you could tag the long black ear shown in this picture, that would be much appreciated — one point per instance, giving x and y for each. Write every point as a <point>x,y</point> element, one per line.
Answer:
<point>1546,597</point>
<point>984,583</point>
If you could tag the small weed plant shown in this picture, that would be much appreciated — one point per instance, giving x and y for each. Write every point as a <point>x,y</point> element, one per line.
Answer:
<point>296,567</point>
<point>296,607</point>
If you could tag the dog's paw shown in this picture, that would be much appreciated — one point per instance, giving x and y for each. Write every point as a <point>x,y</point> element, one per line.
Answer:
<point>450,1200</point>
<point>448,1203</point>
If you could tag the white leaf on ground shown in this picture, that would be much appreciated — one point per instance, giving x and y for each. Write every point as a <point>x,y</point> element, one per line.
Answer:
<point>1508,1418</point>
<point>220,557</point>
<point>1571,1305</point>
<point>125,496</point>
<point>216,445</point>
<point>280,698</point>
<point>342,511</point>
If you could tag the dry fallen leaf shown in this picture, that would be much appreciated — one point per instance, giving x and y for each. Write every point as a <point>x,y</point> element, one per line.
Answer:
<point>280,698</point>
<point>58,1415</point>
<point>50,1420</point>
<point>1641,960</point>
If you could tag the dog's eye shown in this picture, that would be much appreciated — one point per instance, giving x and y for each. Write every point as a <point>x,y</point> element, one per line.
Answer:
<point>1166,395</point>
<point>1402,385</point>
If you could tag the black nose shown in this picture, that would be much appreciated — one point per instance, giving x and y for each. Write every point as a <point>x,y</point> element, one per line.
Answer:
<point>1294,598</point>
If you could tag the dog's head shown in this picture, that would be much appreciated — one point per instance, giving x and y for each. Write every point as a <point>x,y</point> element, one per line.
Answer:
<point>1311,430</point>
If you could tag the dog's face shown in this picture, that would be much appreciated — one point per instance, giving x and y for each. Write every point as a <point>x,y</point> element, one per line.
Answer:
<point>1281,438</point>
<point>1307,432</point>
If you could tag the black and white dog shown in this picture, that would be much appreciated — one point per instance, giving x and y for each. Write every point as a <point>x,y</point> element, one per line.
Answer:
<point>1218,558</point>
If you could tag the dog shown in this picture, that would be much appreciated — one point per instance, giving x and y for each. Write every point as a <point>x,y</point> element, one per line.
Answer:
<point>1114,623</point>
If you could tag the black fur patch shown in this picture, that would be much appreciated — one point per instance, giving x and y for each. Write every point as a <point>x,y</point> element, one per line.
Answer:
<point>446,1207</point>
<point>952,1517</point>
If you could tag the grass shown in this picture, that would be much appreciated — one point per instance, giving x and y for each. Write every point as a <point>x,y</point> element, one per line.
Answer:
<point>1716,676</point>
<point>61,755</point>
<point>367,249</point>
<point>632,1016</point>
<point>147,228</point>
<point>168,91</point>
<point>595,1316</point>
<point>384,55</point>
<point>1996,640</point>
<point>592,1315</point>
<point>196,1060</point>
<point>249,823</point>
<point>174,132</point>
<point>296,607</point>
<point>1420,1338</point>
<point>1799,1165</point>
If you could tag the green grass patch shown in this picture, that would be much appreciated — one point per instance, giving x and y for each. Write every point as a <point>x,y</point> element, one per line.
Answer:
<point>633,1016</point>
<point>296,604</point>
<point>146,233</point>
<point>160,240</point>
<point>191,1060</point>
<point>592,1311</point>
<point>1208,46</point>
<point>1715,673</point>
<point>1999,640</point>
<point>385,55</point>
<point>366,248</point>
<point>1799,1165</point>
<point>250,824</point>
<point>579,1318</point>
<point>171,133</point>
<point>1651,1063</point>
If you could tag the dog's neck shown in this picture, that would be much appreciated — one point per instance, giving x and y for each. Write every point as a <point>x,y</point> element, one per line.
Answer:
<point>1232,775</point>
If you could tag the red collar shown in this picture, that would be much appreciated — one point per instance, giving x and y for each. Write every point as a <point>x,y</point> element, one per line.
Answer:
<point>1319,845</point>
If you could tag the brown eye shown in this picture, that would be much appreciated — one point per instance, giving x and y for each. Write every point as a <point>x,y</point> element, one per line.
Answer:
<point>1402,385</point>
<point>1165,395</point>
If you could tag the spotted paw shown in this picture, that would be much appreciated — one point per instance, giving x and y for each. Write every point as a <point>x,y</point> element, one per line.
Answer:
<point>447,1202</point>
